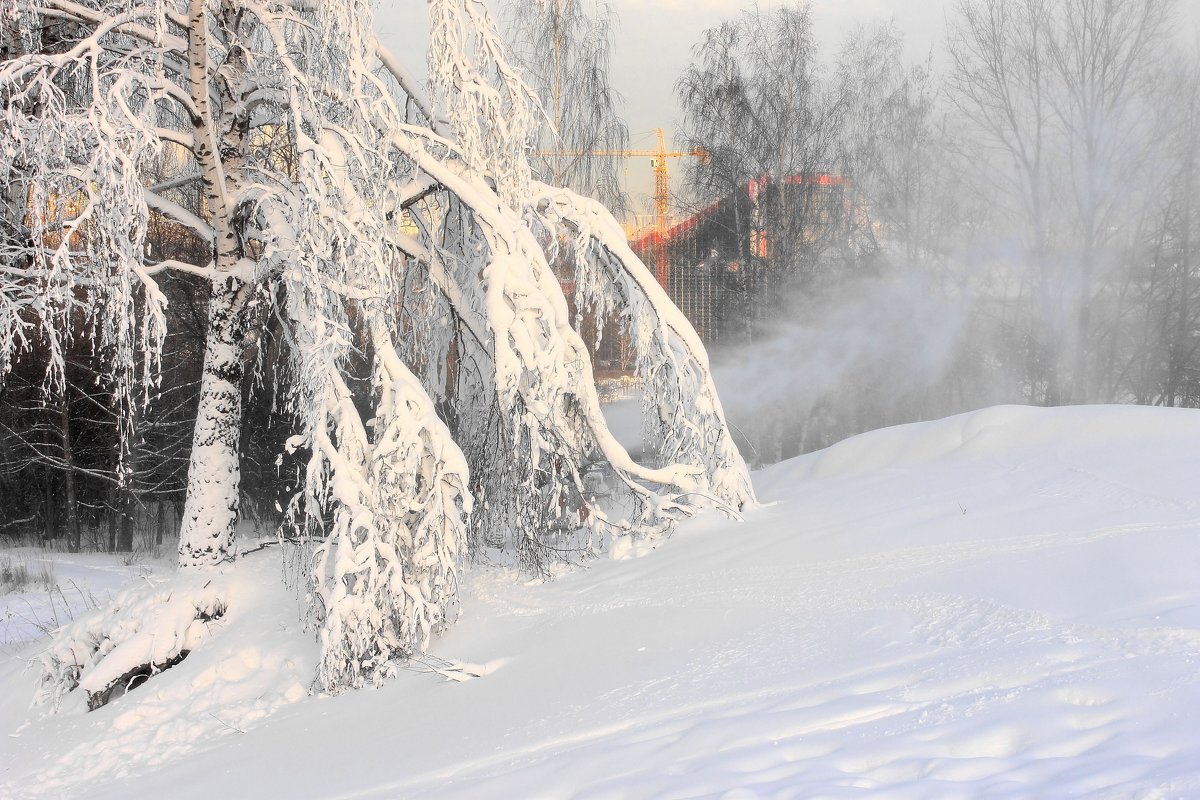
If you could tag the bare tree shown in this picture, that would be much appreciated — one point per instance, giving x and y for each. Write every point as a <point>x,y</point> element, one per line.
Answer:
<point>1058,94</point>
<point>1155,361</point>
<point>1106,55</point>
<point>754,100</point>
<point>893,146</point>
<point>563,48</point>
<point>1001,81</point>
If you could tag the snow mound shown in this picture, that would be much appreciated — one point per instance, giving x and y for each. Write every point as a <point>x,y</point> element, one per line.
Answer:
<point>243,665</point>
<point>998,432</point>
<point>142,631</point>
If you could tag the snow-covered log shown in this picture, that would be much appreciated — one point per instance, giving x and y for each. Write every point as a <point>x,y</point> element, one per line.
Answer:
<point>145,629</point>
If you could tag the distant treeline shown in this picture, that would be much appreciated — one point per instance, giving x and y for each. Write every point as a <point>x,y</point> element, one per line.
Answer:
<point>1021,221</point>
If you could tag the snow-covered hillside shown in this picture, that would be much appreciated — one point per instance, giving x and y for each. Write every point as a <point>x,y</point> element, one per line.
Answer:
<point>1000,604</point>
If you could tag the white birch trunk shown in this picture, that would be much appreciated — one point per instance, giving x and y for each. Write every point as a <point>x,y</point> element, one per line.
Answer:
<point>214,476</point>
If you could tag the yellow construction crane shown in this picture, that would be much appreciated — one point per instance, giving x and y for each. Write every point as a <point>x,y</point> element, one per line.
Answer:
<point>662,187</point>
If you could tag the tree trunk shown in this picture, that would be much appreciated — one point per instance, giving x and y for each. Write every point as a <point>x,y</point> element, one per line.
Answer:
<point>214,476</point>
<point>125,532</point>
<point>73,534</point>
<point>110,541</point>
<point>162,522</point>
<point>51,516</point>
<point>1181,344</point>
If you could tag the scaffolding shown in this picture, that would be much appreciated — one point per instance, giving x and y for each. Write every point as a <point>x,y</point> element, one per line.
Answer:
<point>718,263</point>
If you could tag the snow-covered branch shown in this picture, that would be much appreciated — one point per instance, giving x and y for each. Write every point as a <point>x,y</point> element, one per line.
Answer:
<point>683,415</point>
<point>432,367</point>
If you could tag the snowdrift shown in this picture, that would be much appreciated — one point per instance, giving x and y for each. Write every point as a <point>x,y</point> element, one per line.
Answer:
<point>999,604</point>
<point>1000,432</point>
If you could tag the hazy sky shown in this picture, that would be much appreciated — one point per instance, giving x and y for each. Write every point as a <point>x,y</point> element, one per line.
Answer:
<point>653,45</point>
<point>654,40</point>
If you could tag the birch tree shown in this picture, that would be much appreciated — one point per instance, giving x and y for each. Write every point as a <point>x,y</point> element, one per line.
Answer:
<point>564,48</point>
<point>382,226</point>
<point>755,101</point>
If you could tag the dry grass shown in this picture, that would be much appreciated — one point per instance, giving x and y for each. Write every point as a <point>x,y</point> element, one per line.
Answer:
<point>19,574</point>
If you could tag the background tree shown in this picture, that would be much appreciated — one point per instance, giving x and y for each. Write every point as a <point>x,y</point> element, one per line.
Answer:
<point>1153,355</point>
<point>753,98</point>
<point>893,146</point>
<point>1057,93</point>
<point>564,48</point>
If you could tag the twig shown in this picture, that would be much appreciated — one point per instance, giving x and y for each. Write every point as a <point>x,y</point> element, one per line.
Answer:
<point>262,546</point>
<point>226,724</point>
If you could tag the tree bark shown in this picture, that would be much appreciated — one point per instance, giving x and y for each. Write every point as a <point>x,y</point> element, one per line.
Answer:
<point>110,541</point>
<point>214,475</point>
<point>162,522</point>
<point>51,531</point>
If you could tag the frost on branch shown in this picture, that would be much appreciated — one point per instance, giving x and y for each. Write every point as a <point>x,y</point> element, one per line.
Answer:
<point>385,575</point>
<point>683,417</point>
<point>142,631</point>
<point>385,485</point>
<point>490,111</point>
<point>382,232</point>
<point>550,481</point>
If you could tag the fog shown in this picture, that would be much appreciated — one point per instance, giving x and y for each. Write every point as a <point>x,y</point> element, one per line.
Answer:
<point>1020,220</point>
<point>872,355</point>
<point>1018,227</point>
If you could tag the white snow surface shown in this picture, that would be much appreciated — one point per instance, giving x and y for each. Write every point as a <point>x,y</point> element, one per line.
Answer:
<point>81,581</point>
<point>999,604</point>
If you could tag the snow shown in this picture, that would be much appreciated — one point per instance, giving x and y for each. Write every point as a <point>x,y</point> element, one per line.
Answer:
<point>81,581</point>
<point>999,604</point>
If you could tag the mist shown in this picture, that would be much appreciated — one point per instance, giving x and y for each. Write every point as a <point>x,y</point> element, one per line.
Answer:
<point>879,351</point>
<point>1018,224</point>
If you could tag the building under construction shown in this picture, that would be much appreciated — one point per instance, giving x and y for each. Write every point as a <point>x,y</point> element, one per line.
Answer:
<point>722,265</point>
<point>729,264</point>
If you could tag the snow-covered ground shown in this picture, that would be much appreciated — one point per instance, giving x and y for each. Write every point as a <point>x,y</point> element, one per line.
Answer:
<point>1000,604</point>
<point>77,582</point>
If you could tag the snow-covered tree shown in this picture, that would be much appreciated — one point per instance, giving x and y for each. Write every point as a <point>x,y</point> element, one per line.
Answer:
<point>387,229</point>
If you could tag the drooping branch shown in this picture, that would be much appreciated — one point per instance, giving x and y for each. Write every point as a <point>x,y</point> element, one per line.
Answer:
<point>683,413</point>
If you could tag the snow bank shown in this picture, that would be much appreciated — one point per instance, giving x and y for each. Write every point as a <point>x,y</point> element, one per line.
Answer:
<point>254,659</point>
<point>999,432</point>
<point>146,628</point>
<point>78,583</point>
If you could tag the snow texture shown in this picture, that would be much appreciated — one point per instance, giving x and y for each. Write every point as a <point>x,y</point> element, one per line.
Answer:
<point>1000,604</point>
<point>146,627</point>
